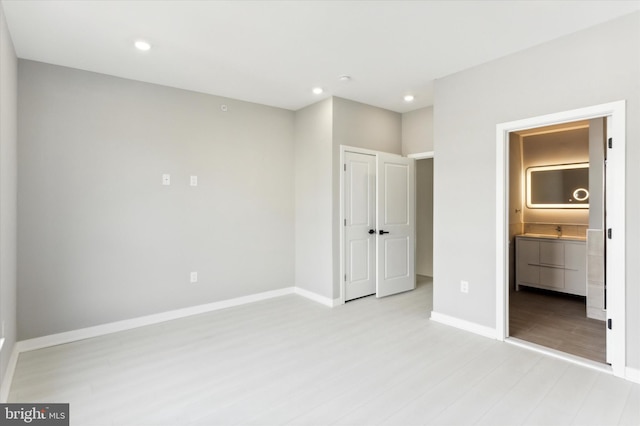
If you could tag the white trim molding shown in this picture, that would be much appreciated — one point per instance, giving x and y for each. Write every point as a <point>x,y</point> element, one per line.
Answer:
<point>632,374</point>
<point>317,298</point>
<point>8,375</point>
<point>616,252</point>
<point>113,327</point>
<point>421,155</point>
<point>463,324</point>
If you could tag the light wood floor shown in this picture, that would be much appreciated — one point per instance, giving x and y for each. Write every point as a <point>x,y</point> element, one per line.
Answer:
<point>557,321</point>
<point>292,361</point>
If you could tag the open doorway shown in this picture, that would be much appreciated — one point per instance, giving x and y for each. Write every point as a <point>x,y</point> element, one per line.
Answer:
<point>614,230</point>
<point>424,222</point>
<point>556,237</point>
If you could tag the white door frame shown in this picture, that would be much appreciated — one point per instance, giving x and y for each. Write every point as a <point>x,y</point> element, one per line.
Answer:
<point>422,155</point>
<point>616,266</point>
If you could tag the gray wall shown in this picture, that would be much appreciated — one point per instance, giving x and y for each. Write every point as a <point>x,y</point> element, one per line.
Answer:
<point>591,67</point>
<point>320,129</point>
<point>101,240</point>
<point>8,194</point>
<point>417,137</point>
<point>313,198</point>
<point>417,131</point>
<point>363,126</point>
<point>424,217</point>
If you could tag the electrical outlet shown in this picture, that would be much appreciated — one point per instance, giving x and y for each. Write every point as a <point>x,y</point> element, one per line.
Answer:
<point>464,286</point>
<point>193,277</point>
<point>166,179</point>
<point>193,180</point>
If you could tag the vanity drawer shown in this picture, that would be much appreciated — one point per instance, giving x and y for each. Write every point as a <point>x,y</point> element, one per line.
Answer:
<point>551,264</point>
<point>551,253</point>
<point>551,277</point>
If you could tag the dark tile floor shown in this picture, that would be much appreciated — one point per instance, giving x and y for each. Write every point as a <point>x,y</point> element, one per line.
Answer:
<point>557,321</point>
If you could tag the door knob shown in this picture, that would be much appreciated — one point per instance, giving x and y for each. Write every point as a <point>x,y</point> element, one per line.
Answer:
<point>372,231</point>
<point>383,232</point>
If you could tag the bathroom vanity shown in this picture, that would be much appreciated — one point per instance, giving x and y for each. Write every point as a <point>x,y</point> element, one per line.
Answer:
<point>551,263</point>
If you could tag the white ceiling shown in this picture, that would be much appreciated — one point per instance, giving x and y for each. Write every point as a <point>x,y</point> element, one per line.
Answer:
<point>274,52</point>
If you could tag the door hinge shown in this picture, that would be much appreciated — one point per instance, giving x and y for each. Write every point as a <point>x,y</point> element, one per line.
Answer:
<point>610,142</point>
<point>610,324</point>
<point>609,233</point>
<point>345,222</point>
<point>345,277</point>
<point>345,167</point>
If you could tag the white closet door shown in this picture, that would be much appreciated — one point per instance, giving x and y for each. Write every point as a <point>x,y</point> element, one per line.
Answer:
<point>360,211</point>
<point>395,220</point>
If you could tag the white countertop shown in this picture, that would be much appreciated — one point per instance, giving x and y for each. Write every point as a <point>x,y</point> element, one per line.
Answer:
<point>553,237</point>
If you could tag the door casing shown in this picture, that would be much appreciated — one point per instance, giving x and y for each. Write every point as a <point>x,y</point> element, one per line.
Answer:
<point>615,262</point>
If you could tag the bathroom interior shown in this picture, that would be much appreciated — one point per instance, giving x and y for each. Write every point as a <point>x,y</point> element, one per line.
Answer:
<point>557,239</point>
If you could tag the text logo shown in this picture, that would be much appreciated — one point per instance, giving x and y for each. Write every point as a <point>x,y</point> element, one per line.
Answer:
<point>34,414</point>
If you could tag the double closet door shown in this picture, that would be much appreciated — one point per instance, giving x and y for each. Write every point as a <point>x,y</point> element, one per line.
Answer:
<point>379,212</point>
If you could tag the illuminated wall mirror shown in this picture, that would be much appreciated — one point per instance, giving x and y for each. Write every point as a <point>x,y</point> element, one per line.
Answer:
<point>563,186</point>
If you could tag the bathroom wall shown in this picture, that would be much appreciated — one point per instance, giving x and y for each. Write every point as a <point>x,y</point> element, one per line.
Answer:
<point>597,149</point>
<point>562,147</point>
<point>515,200</point>
<point>596,265</point>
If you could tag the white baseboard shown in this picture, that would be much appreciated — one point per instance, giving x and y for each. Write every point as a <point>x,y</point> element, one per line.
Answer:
<point>113,327</point>
<point>464,325</point>
<point>8,376</point>
<point>632,374</point>
<point>316,297</point>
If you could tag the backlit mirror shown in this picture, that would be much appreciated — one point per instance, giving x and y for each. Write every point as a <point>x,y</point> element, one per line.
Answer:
<point>564,186</point>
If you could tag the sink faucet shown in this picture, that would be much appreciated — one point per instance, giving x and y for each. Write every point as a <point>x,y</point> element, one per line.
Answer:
<point>559,230</point>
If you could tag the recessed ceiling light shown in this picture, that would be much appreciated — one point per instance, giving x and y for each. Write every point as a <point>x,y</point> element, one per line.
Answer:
<point>408,98</point>
<point>317,90</point>
<point>142,45</point>
<point>345,78</point>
